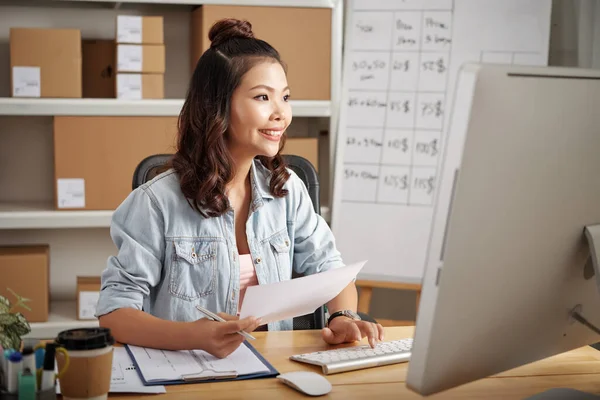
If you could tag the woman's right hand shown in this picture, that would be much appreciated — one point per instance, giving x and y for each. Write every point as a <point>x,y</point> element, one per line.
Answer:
<point>221,338</point>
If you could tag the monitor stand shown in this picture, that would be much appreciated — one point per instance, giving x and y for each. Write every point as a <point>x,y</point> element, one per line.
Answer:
<point>591,269</point>
<point>563,394</point>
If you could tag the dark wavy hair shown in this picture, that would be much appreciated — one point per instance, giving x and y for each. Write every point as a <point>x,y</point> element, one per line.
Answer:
<point>202,160</point>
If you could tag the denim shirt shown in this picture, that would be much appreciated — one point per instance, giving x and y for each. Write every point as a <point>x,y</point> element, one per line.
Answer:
<point>171,259</point>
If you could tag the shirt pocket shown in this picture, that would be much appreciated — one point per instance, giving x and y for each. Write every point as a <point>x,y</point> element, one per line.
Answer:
<point>280,249</point>
<point>193,269</point>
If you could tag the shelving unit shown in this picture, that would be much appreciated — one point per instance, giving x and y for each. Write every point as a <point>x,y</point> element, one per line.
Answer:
<point>79,240</point>
<point>43,216</point>
<point>117,107</point>
<point>62,316</point>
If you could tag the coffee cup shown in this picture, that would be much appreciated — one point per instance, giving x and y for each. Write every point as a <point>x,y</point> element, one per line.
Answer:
<point>89,368</point>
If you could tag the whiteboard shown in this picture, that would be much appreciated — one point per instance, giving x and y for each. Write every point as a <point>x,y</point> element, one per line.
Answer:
<point>400,65</point>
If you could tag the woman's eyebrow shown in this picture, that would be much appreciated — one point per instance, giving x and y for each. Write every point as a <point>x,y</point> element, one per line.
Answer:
<point>269,88</point>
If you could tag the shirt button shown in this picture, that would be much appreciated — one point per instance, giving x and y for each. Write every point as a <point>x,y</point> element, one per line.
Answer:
<point>258,260</point>
<point>287,243</point>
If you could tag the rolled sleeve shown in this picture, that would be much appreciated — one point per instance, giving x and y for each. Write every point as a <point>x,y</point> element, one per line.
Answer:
<point>314,244</point>
<point>137,230</point>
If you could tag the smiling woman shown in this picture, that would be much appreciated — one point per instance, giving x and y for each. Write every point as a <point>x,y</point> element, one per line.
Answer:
<point>228,214</point>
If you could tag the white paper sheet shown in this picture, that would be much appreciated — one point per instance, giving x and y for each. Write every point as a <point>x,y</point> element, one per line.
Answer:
<point>129,58</point>
<point>167,365</point>
<point>296,297</point>
<point>26,81</point>
<point>129,29</point>
<point>124,377</point>
<point>129,86</point>
<point>87,304</point>
<point>71,192</point>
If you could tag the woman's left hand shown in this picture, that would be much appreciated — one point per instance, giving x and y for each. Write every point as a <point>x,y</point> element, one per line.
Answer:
<point>346,330</point>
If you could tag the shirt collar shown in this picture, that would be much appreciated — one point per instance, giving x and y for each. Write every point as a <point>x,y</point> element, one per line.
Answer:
<point>260,177</point>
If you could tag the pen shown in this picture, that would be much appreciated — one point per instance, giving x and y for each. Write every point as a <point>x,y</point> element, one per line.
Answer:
<point>215,317</point>
<point>47,379</point>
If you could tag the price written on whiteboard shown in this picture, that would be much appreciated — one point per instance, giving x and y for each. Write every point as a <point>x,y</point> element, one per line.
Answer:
<point>401,65</point>
<point>400,106</point>
<point>426,184</point>
<point>427,148</point>
<point>438,65</point>
<point>396,181</point>
<point>429,108</point>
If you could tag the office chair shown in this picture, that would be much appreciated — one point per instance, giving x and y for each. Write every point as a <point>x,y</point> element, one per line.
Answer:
<point>154,165</point>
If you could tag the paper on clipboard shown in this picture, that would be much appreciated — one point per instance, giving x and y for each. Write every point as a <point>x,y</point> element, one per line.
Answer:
<point>296,297</point>
<point>158,365</point>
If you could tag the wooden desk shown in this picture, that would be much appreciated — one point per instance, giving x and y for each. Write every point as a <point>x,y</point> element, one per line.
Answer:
<point>578,369</point>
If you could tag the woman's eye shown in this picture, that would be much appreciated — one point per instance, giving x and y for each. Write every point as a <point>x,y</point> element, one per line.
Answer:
<point>286,97</point>
<point>263,97</point>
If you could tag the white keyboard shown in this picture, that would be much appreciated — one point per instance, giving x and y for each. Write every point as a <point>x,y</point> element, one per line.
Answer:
<point>358,357</point>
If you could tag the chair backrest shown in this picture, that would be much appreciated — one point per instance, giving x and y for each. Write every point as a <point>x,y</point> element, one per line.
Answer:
<point>153,165</point>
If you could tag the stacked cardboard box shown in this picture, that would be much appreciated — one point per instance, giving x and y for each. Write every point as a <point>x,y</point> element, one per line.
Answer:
<point>140,57</point>
<point>95,157</point>
<point>302,35</point>
<point>24,271</point>
<point>45,62</point>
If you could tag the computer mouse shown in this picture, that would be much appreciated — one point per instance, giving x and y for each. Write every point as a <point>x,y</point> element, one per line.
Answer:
<point>307,382</point>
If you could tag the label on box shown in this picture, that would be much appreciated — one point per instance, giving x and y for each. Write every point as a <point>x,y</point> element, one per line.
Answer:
<point>71,193</point>
<point>129,58</point>
<point>87,304</point>
<point>129,29</point>
<point>129,86</point>
<point>26,82</point>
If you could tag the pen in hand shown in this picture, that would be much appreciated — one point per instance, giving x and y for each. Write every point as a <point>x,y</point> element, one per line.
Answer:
<point>215,317</point>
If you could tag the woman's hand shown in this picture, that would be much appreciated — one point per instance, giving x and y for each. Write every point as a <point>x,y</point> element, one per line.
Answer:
<point>221,338</point>
<point>346,330</point>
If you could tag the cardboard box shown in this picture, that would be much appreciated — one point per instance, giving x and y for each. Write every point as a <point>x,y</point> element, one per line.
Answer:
<point>304,147</point>
<point>98,68</point>
<point>139,29</point>
<point>95,157</point>
<point>25,270</point>
<point>45,62</point>
<point>140,86</point>
<point>301,35</point>
<point>88,292</point>
<point>146,58</point>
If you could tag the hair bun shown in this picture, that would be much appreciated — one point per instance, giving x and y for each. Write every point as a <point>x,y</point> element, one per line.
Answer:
<point>230,28</point>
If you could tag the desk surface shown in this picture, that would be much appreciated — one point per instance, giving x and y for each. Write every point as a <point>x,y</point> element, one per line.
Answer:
<point>577,369</point>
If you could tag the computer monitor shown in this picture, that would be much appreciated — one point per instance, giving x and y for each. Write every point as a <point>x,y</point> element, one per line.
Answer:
<point>508,259</point>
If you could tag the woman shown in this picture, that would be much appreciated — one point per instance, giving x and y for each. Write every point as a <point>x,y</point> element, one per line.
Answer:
<point>228,214</point>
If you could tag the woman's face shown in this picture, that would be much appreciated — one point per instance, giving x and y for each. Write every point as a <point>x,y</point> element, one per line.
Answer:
<point>260,112</point>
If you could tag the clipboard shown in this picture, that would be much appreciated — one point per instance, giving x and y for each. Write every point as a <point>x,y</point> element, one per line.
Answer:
<point>215,376</point>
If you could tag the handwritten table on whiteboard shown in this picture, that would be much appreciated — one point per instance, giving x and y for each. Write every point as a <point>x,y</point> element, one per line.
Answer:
<point>400,65</point>
<point>395,106</point>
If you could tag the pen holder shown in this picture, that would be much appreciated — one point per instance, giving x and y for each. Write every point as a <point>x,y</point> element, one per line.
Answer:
<point>48,394</point>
